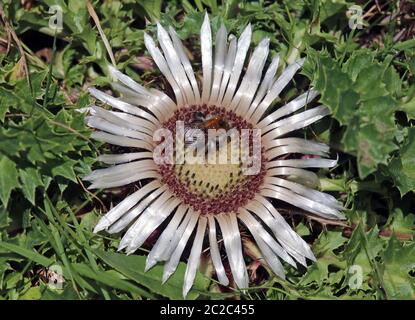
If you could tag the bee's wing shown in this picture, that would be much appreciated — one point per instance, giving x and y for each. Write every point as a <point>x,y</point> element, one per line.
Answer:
<point>219,138</point>
<point>190,136</point>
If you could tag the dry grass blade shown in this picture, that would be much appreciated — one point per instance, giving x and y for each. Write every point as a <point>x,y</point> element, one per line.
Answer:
<point>94,16</point>
<point>12,34</point>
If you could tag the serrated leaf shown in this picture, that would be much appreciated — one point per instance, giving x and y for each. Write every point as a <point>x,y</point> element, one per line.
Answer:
<point>323,248</point>
<point>375,144</point>
<point>402,167</point>
<point>358,61</point>
<point>152,8</point>
<point>409,108</point>
<point>3,109</point>
<point>398,261</point>
<point>8,179</point>
<point>336,90</point>
<point>65,170</point>
<point>20,96</point>
<point>361,251</point>
<point>31,179</point>
<point>367,113</point>
<point>4,218</point>
<point>401,224</point>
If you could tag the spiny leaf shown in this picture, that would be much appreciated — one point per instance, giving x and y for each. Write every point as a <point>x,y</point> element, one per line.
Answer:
<point>323,250</point>
<point>335,88</point>
<point>361,251</point>
<point>401,224</point>
<point>367,113</point>
<point>398,261</point>
<point>65,170</point>
<point>30,179</point>
<point>8,179</point>
<point>402,167</point>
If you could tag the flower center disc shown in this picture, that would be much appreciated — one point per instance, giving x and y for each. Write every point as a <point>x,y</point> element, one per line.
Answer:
<point>212,188</point>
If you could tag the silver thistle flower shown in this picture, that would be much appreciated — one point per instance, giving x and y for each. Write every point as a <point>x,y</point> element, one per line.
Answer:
<point>209,197</point>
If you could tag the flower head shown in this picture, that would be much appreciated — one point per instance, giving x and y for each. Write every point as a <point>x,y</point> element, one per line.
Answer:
<point>198,200</point>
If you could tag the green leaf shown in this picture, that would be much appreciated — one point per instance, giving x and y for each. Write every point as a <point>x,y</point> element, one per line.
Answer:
<point>112,279</point>
<point>133,268</point>
<point>27,253</point>
<point>4,218</point>
<point>409,108</point>
<point>8,179</point>
<point>402,167</point>
<point>152,8</point>
<point>367,114</point>
<point>362,250</point>
<point>20,96</point>
<point>65,170</point>
<point>34,293</point>
<point>68,293</point>
<point>3,110</point>
<point>336,88</point>
<point>401,224</point>
<point>323,250</point>
<point>398,262</point>
<point>376,134</point>
<point>30,179</point>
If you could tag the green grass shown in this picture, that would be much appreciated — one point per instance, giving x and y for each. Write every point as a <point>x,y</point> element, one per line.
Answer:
<point>365,76</point>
